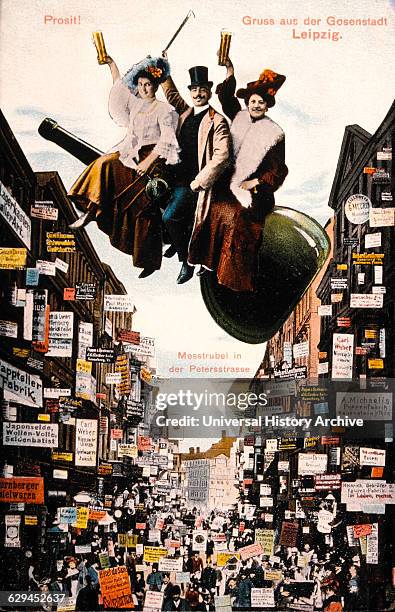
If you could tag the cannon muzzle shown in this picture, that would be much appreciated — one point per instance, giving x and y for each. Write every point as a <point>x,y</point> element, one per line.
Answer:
<point>51,130</point>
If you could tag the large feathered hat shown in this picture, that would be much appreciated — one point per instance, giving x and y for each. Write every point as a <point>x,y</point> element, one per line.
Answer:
<point>267,85</point>
<point>156,68</point>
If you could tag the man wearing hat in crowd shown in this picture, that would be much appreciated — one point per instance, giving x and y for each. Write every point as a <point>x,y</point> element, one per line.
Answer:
<point>204,138</point>
<point>176,603</point>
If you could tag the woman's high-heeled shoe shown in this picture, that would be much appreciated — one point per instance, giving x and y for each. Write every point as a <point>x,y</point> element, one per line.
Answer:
<point>146,272</point>
<point>83,220</point>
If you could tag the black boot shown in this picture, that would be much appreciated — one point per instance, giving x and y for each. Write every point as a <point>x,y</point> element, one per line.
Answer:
<point>170,251</point>
<point>201,271</point>
<point>146,272</point>
<point>185,274</point>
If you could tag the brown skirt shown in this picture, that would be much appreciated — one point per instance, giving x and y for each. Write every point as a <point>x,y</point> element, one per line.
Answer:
<point>228,242</point>
<point>123,210</point>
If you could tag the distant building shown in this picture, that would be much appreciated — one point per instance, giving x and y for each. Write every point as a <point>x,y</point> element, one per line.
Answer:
<point>209,478</point>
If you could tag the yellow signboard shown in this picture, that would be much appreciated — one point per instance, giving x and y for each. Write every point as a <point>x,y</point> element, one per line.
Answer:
<point>223,558</point>
<point>375,364</point>
<point>152,554</point>
<point>57,456</point>
<point>82,518</point>
<point>84,366</point>
<point>12,259</point>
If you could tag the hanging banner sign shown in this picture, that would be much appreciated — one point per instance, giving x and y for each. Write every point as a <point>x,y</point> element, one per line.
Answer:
<point>85,442</point>
<point>342,356</point>
<point>12,537</point>
<point>23,489</point>
<point>44,210</point>
<point>118,303</point>
<point>19,386</point>
<point>44,435</point>
<point>12,259</point>
<point>15,216</point>
<point>60,243</point>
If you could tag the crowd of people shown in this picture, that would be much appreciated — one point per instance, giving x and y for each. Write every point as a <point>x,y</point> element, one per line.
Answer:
<point>319,574</point>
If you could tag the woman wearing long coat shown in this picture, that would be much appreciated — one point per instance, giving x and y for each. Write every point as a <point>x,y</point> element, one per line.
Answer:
<point>111,190</point>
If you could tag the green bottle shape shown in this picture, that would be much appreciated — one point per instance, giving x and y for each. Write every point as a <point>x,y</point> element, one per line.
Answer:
<point>294,248</point>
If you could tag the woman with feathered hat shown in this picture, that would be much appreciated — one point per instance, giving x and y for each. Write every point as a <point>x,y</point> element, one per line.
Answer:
<point>230,241</point>
<point>111,190</point>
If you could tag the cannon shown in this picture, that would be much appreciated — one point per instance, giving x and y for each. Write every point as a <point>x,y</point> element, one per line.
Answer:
<point>294,248</point>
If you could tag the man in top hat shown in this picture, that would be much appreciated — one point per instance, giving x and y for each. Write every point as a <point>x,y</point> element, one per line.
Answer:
<point>228,239</point>
<point>204,138</point>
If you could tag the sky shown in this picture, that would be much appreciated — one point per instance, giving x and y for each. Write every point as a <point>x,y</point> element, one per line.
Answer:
<point>49,69</point>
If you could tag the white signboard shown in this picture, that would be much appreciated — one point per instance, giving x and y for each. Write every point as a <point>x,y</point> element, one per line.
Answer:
<point>366,300</point>
<point>199,540</point>
<point>16,218</point>
<point>12,531</point>
<point>170,565</point>
<point>61,265</point>
<point>301,349</point>
<point>61,325</point>
<point>52,392</point>
<point>372,240</point>
<point>113,378</point>
<point>357,208</point>
<point>85,338</point>
<point>382,217</point>
<point>85,442</point>
<point>362,492</point>
<point>118,303</point>
<point>30,434</point>
<point>372,545</point>
<point>325,310</point>
<point>371,456</point>
<point>378,275</point>
<point>323,367</point>
<point>145,348</point>
<point>342,356</point>
<point>19,386</point>
<point>262,598</point>
<point>312,463</point>
<point>57,347</point>
<point>9,329</point>
<point>48,268</point>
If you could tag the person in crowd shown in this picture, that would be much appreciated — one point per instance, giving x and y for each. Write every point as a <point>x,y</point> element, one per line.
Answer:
<point>197,563</point>
<point>87,598</point>
<point>243,599</point>
<point>203,135</point>
<point>112,189</point>
<point>207,603</point>
<point>176,603</point>
<point>155,578</point>
<point>209,578</point>
<point>209,547</point>
<point>192,595</point>
<point>167,586</point>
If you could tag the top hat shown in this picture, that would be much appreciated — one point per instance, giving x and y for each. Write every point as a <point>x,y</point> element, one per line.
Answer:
<point>199,76</point>
<point>267,85</point>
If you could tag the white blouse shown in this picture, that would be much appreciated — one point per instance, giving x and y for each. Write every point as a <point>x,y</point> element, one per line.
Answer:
<point>148,122</point>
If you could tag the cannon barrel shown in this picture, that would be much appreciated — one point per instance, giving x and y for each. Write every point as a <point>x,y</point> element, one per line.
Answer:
<point>51,130</point>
